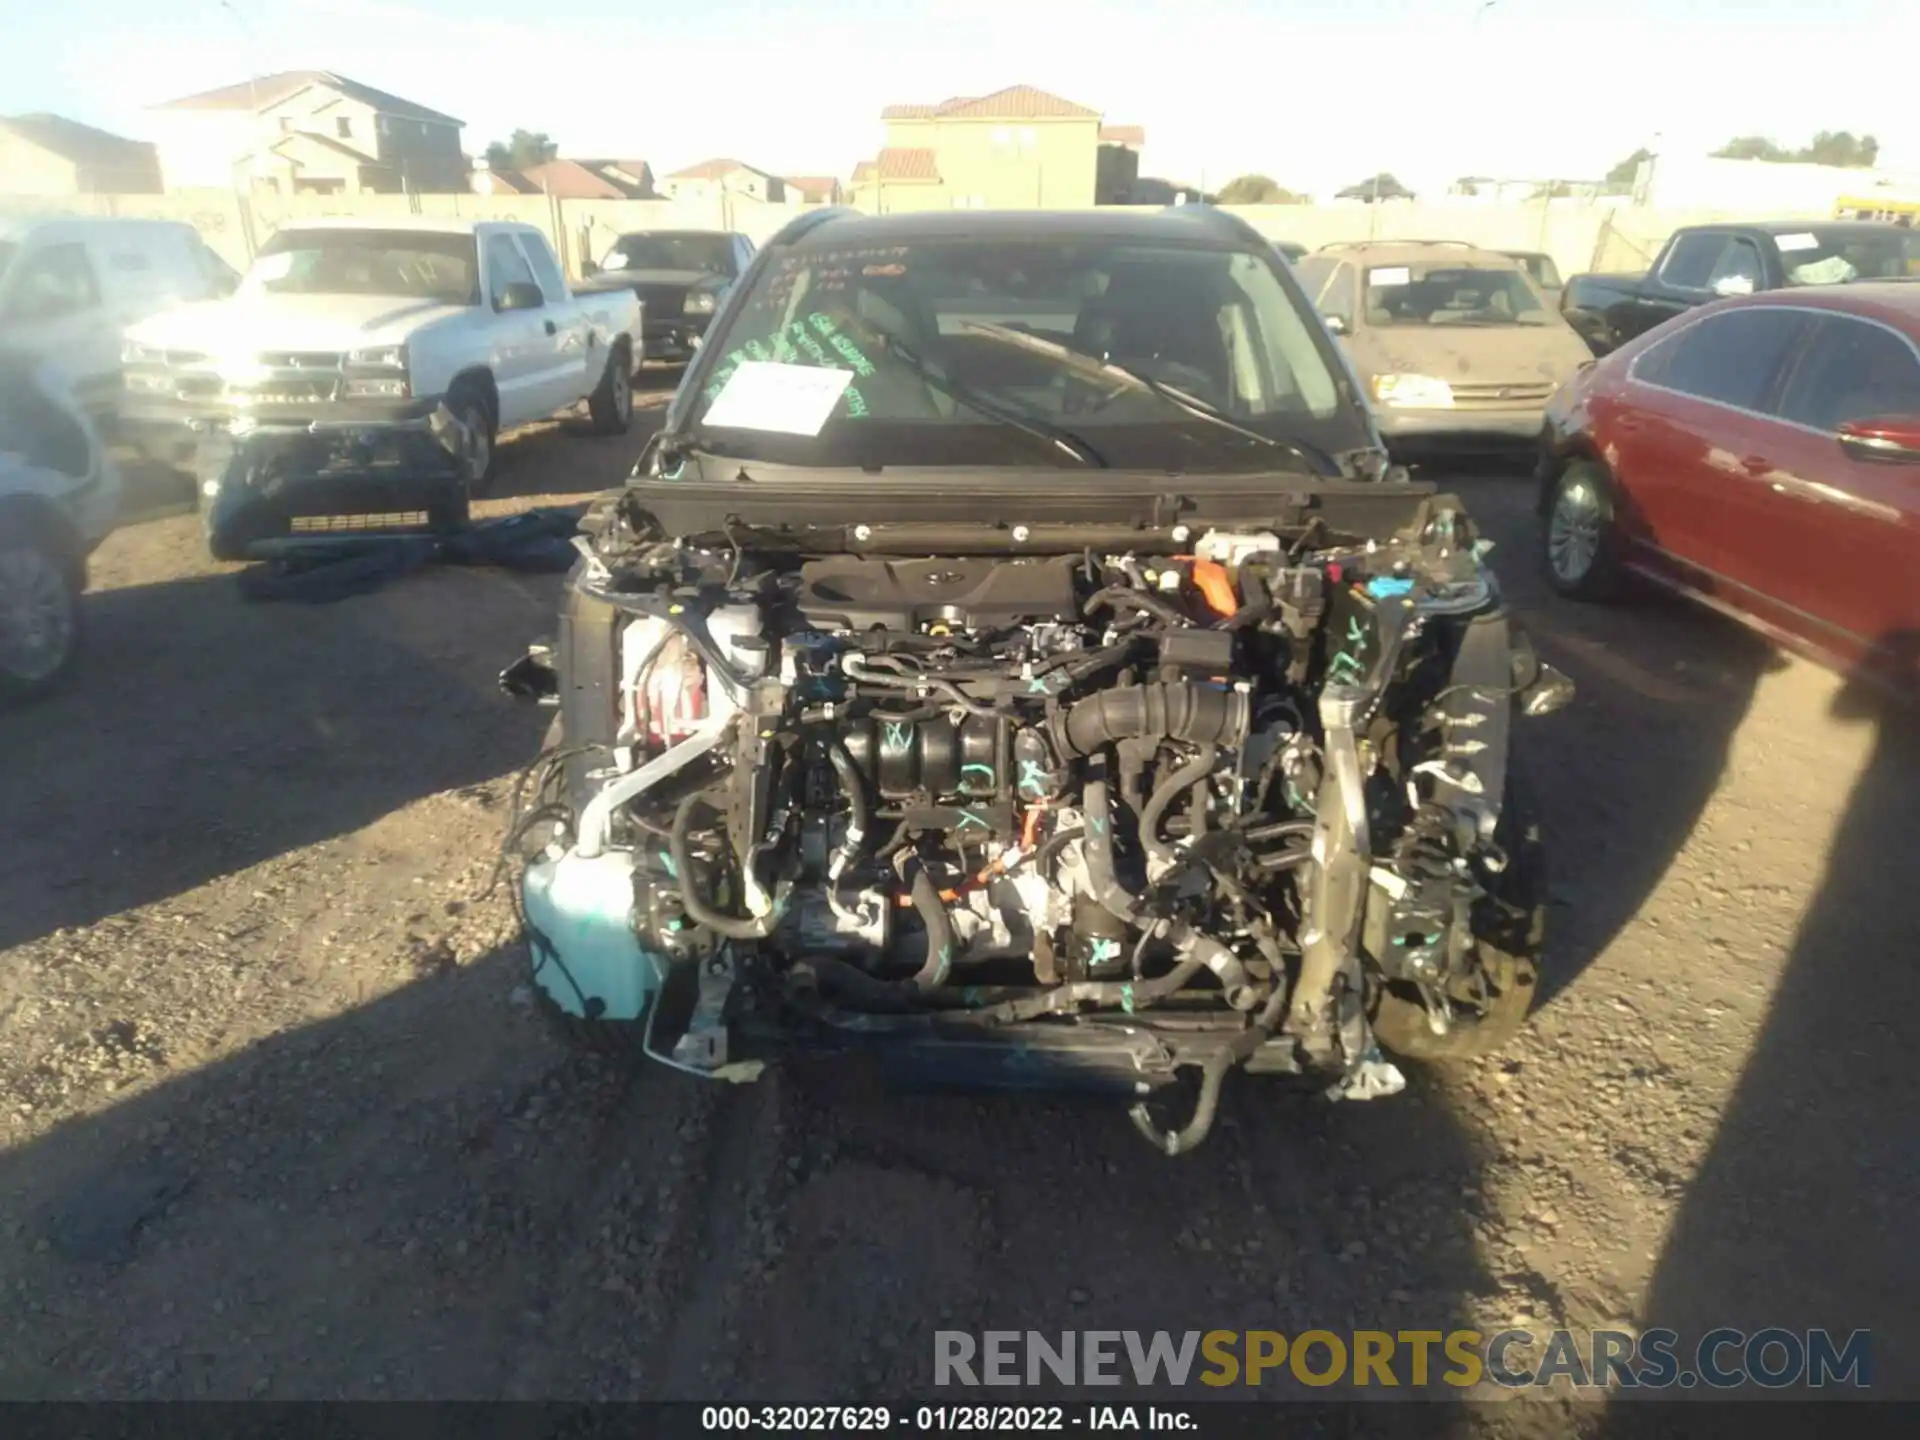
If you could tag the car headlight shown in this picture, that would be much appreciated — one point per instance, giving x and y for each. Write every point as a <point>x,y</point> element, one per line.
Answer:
<point>1413,392</point>
<point>701,302</point>
<point>134,353</point>
<point>379,357</point>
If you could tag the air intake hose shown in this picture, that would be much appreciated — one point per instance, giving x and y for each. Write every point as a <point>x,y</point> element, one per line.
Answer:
<point>1198,714</point>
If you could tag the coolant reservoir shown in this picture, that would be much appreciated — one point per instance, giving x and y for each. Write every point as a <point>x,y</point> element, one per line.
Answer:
<point>596,967</point>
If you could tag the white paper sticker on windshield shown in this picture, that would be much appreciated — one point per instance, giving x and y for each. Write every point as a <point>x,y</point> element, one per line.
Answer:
<point>276,266</point>
<point>1390,275</point>
<point>767,395</point>
<point>1800,240</point>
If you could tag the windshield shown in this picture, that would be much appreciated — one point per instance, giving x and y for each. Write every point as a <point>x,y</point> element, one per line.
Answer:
<point>1832,257</point>
<point>708,254</point>
<point>416,265</point>
<point>7,251</point>
<point>1451,295</point>
<point>960,351</point>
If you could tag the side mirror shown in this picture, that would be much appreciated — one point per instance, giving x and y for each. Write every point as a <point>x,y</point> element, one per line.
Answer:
<point>1887,439</point>
<point>588,269</point>
<point>1335,325</point>
<point>519,295</point>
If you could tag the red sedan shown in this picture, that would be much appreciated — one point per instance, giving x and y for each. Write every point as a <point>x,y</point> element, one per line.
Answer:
<point>1761,455</point>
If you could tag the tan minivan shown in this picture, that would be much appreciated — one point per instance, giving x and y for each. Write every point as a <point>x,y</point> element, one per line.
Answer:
<point>1453,343</point>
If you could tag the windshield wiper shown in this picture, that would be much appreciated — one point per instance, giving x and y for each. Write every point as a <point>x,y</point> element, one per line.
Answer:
<point>1056,437</point>
<point>1093,367</point>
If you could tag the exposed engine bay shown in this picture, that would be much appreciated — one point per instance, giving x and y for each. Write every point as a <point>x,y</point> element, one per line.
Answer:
<point>1024,811</point>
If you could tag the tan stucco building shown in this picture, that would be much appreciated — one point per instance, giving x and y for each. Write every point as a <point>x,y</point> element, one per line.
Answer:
<point>307,132</point>
<point>51,155</point>
<point>1018,148</point>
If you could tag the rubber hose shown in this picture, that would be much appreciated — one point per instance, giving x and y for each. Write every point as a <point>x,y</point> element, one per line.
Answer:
<point>1198,714</point>
<point>1213,1075</point>
<point>859,811</point>
<point>732,927</point>
<point>854,670</point>
<point>1165,793</point>
<point>933,914</point>
<point>1114,597</point>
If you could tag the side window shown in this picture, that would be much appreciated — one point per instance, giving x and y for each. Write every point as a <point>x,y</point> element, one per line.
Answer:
<point>1851,370</point>
<point>505,266</point>
<point>1737,272</point>
<point>1692,261</point>
<point>1730,358</point>
<point>56,281</point>
<point>1342,295</point>
<point>545,268</point>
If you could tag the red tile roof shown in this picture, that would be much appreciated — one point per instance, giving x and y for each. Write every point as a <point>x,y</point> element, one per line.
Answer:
<point>569,180</point>
<point>898,163</point>
<point>814,189</point>
<point>1016,102</point>
<point>717,169</point>
<point>1134,135</point>
<point>266,91</point>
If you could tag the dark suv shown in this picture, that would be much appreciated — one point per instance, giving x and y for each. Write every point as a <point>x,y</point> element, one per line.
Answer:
<point>681,276</point>
<point>1017,660</point>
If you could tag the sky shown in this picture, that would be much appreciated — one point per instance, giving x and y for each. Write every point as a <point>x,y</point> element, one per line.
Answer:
<point>1316,94</point>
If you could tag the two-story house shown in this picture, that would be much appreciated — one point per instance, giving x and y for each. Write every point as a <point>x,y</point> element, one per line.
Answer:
<point>1018,148</point>
<point>716,179</point>
<point>307,132</point>
<point>51,155</point>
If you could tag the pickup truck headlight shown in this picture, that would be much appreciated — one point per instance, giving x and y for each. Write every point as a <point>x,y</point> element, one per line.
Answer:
<point>1413,392</point>
<point>701,302</point>
<point>380,357</point>
<point>377,373</point>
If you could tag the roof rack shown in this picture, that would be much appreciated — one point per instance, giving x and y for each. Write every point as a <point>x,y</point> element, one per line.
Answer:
<point>1397,240</point>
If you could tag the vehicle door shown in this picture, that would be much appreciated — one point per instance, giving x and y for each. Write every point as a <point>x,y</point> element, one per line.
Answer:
<point>1696,408</point>
<point>524,347</point>
<point>1844,535</point>
<point>573,354</point>
<point>55,309</point>
<point>1682,282</point>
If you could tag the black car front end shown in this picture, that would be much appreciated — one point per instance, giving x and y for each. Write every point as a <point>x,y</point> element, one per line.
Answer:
<point>1154,773</point>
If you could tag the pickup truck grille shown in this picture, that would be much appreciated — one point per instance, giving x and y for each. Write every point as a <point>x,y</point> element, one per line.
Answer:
<point>283,377</point>
<point>1516,396</point>
<point>662,302</point>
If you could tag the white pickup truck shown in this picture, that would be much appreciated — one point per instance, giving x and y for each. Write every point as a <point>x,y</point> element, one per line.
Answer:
<point>358,325</point>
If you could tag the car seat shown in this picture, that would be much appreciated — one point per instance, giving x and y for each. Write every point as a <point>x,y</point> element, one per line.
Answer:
<point>1163,323</point>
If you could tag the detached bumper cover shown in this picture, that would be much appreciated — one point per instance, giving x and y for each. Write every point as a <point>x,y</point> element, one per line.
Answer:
<point>267,485</point>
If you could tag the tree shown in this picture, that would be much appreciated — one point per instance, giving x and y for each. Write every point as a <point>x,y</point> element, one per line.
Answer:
<point>1751,147</point>
<point>1256,190</point>
<point>1628,170</point>
<point>1841,147</point>
<point>1829,147</point>
<point>1378,187</point>
<point>526,149</point>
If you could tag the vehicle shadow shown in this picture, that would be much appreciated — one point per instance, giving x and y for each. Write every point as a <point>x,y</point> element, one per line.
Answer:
<point>1801,1214</point>
<point>204,734</point>
<point>427,1197</point>
<point>354,1208</point>
<point>564,457</point>
<point>1622,775</point>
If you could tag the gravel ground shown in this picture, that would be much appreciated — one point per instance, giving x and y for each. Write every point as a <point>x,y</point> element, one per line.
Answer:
<point>277,1119</point>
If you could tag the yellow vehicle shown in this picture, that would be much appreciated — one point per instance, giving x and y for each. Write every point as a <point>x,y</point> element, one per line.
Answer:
<point>1878,207</point>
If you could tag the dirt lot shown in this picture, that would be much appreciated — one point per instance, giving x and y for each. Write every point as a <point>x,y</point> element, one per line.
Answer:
<point>277,1119</point>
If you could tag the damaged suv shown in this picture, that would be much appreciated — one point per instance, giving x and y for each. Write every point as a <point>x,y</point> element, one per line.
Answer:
<point>1016,660</point>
